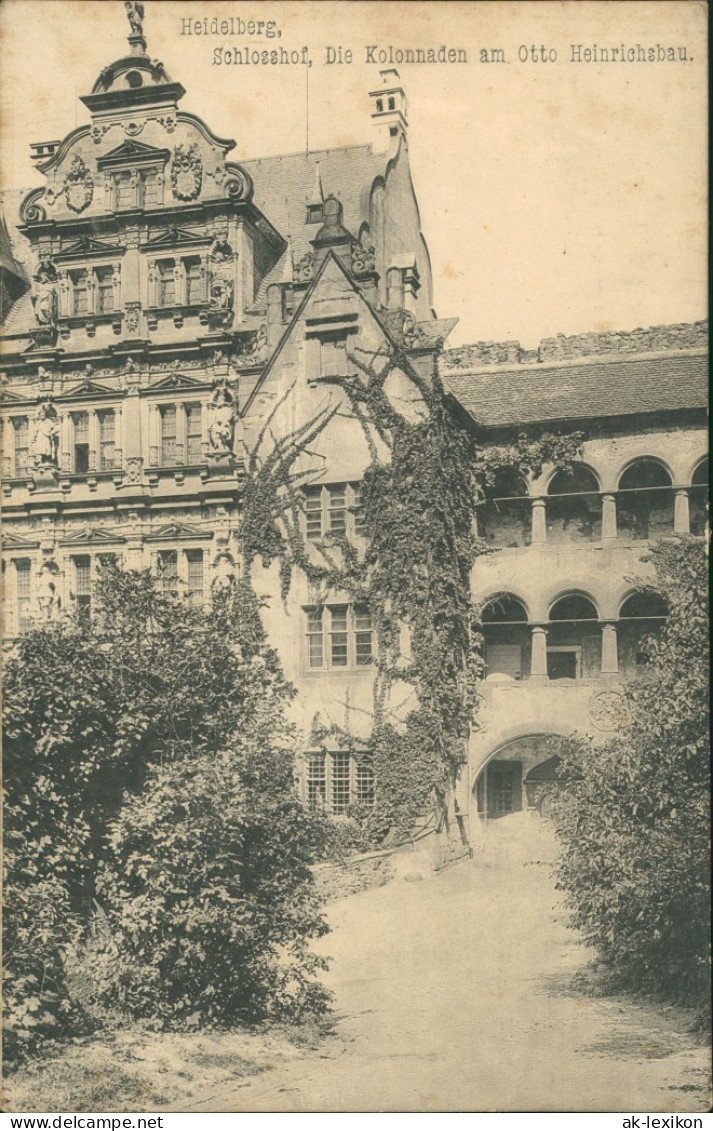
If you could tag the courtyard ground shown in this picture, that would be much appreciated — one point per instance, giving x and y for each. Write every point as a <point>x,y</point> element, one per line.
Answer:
<point>453,992</point>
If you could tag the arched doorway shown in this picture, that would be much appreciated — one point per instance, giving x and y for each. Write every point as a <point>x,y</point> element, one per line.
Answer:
<point>516,777</point>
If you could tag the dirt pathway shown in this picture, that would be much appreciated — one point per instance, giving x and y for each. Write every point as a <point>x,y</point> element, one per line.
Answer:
<point>454,994</point>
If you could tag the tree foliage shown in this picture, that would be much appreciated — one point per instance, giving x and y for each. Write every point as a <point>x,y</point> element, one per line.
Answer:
<point>633,814</point>
<point>113,720</point>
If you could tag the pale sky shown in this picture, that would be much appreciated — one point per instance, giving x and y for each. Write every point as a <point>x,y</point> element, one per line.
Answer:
<point>555,197</point>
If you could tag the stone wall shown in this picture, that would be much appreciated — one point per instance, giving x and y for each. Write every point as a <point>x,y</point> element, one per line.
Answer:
<point>652,339</point>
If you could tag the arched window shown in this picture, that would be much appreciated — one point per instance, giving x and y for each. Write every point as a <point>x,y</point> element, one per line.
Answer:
<point>698,498</point>
<point>506,637</point>
<point>505,512</point>
<point>642,614</point>
<point>645,501</point>
<point>574,639</point>
<point>574,509</point>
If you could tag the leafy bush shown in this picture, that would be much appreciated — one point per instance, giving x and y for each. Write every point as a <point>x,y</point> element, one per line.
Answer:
<point>103,716</point>
<point>633,815</point>
<point>210,893</point>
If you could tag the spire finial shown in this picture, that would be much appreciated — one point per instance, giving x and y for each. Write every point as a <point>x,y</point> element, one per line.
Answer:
<point>135,14</point>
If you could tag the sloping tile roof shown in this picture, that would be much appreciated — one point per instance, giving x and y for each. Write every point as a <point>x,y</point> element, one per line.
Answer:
<point>285,184</point>
<point>582,389</point>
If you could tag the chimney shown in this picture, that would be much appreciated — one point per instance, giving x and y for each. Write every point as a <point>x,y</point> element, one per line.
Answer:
<point>388,112</point>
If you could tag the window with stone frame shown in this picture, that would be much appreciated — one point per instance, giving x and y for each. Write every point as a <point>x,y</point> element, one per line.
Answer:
<point>340,637</point>
<point>167,418</point>
<point>337,780</point>
<point>23,593</point>
<point>80,283</point>
<point>107,439</point>
<point>166,295</point>
<point>104,277</point>
<point>194,576</point>
<point>194,280</point>
<point>80,446</point>
<point>82,583</point>
<point>334,508</point>
<point>22,445</point>
<point>194,433</point>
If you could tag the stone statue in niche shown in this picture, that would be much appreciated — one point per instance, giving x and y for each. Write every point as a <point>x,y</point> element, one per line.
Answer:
<point>221,420</point>
<point>44,291</point>
<point>47,589</point>
<point>221,294</point>
<point>224,571</point>
<point>44,437</point>
<point>135,13</point>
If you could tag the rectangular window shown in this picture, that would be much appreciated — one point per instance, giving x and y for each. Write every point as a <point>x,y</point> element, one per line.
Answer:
<point>166,282</point>
<point>347,632</point>
<point>338,637</point>
<point>337,513</point>
<point>125,191</point>
<point>362,636</point>
<point>168,435</point>
<point>22,446</point>
<point>194,433</point>
<point>364,781</point>
<point>336,508</point>
<point>333,355</point>
<point>194,564</point>
<point>336,780</point>
<point>83,584</point>
<point>23,573</point>
<point>357,510</point>
<point>149,182</point>
<point>168,570</point>
<point>313,510</point>
<point>106,440</point>
<point>316,781</point>
<point>81,442</point>
<point>194,281</point>
<point>340,782</point>
<point>80,293</point>
<point>315,638</point>
<point>105,289</point>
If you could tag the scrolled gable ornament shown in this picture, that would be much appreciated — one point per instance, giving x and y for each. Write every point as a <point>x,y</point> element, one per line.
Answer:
<point>186,172</point>
<point>78,186</point>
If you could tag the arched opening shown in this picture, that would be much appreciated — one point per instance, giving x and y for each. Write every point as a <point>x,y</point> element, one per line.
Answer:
<point>698,498</point>
<point>505,512</point>
<point>645,501</point>
<point>134,79</point>
<point>519,776</point>
<point>506,638</point>
<point>574,509</point>
<point>641,615</point>
<point>574,639</point>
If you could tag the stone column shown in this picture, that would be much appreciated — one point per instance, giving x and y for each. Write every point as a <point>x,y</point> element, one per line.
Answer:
<point>539,522</point>
<point>610,658</point>
<point>608,518</point>
<point>93,441</point>
<point>8,448</point>
<point>681,512</point>
<point>65,442</point>
<point>181,441</point>
<point>154,435</point>
<point>538,668</point>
